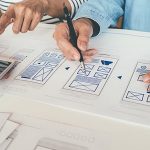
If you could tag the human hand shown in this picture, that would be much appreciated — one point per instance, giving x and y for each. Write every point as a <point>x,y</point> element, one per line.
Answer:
<point>84,30</point>
<point>25,15</point>
<point>147,78</point>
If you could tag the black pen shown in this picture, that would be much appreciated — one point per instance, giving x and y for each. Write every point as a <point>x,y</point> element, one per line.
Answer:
<point>73,36</point>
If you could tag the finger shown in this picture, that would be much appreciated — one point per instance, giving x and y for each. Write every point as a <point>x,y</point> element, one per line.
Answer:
<point>84,34</point>
<point>27,20</point>
<point>90,52</point>
<point>68,50</point>
<point>6,18</point>
<point>19,17</point>
<point>87,59</point>
<point>147,78</point>
<point>61,36</point>
<point>36,19</point>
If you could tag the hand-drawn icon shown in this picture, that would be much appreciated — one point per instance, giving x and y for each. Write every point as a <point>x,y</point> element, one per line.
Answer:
<point>135,96</point>
<point>53,55</point>
<point>67,68</point>
<point>89,66</point>
<point>104,69</point>
<point>106,62</point>
<point>50,65</point>
<point>61,57</point>
<point>148,89</point>
<point>143,70</point>
<point>148,99</point>
<point>100,75</point>
<point>120,77</point>
<point>140,78</point>
<point>42,74</point>
<point>46,54</point>
<point>39,62</point>
<point>83,72</point>
<point>85,83</point>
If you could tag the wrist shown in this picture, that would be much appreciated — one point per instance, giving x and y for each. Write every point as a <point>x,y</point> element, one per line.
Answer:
<point>54,8</point>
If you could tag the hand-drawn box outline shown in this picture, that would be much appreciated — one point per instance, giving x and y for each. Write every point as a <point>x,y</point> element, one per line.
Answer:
<point>89,67</point>
<point>148,89</point>
<point>104,69</point>
<point>132,77</point>
<point>43,66</point>
<point>139,78</point>
<point>81,72</point>
<point>135,96</point>
<point>105,81</point>
<point>148,99</point>
<point>59,65</point>
<point>36,75</point>
<point>85,86</point>
<point>103,75</point>
<point>76,147</point>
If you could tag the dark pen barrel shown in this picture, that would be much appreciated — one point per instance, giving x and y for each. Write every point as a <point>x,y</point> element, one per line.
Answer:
<point>73,36</point>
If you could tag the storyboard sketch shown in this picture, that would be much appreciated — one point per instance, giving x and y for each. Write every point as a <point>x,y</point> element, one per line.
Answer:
<point>138,91</point>
<point>42,68</point>
<point>94,77</point>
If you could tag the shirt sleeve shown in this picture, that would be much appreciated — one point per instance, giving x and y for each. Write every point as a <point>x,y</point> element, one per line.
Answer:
<point>104,13</point>
<point>75,5</point>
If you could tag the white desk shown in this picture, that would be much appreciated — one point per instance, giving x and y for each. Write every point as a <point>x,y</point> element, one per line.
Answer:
<point>126,125</point>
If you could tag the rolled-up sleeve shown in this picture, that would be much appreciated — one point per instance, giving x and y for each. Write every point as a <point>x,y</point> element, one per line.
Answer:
<point>104,12</point>
<point>75,5</point>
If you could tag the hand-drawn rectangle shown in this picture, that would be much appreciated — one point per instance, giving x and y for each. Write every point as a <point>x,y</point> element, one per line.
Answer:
<point>135,96</point>
<point>83,72</point>
<point>104,69</point>
<point>100,75</point>
<point>95,78</point>
<point>85,83</point>
<point>41,69</point>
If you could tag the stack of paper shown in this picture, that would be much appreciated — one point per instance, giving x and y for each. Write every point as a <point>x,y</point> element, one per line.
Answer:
<point>7,129</point>
<point>40,134</point>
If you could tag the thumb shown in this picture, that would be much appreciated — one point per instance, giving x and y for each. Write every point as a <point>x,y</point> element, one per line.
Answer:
<point>7,18</point>
<point>84,33</point>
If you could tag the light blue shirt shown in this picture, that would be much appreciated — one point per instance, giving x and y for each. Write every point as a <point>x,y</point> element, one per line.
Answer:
<point>107,12</point>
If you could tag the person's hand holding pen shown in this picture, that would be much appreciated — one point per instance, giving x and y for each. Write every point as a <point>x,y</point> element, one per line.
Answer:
<point>84,30</point>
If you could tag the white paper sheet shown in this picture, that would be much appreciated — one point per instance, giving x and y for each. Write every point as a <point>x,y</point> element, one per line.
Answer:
<point>3,118</point>
<point>38,134</point>
<point>7,129</point>
<point>56,90</point>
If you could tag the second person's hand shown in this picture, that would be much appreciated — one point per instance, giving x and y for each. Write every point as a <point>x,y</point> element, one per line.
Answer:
<point>25,15</point>
<point>84,30</point>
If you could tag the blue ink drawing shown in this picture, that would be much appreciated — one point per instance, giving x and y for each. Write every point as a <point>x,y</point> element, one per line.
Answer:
<point>120,77</point>
<point>135,96</point>
<point>143,70</point>
<point>85,83</point>
<point>106,62</point>
<point>67,68</point>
